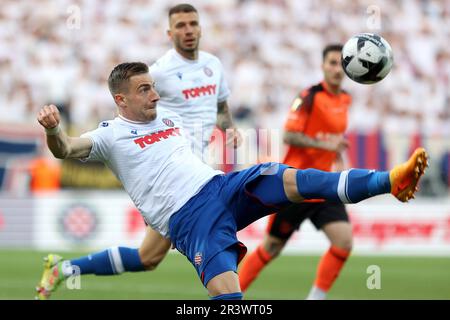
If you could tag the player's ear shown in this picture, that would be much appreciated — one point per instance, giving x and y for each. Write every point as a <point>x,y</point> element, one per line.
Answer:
<point>169,34</point>
<point>120,100</point>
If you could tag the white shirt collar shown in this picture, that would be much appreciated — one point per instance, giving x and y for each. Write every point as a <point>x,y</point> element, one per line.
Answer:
<point>132,121</point>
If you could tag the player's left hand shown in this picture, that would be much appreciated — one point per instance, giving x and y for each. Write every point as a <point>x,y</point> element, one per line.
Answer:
<point>233,138</point>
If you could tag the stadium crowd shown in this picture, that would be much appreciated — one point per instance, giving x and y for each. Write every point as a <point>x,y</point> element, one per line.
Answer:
<point>62,52</point>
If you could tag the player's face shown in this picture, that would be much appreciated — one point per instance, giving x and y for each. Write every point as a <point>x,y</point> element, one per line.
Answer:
<point>185,31</point>
<point>139,101</point>
<point>332,68</point>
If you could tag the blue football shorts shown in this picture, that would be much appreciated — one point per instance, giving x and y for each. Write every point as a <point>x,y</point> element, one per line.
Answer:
<point>205,228</point>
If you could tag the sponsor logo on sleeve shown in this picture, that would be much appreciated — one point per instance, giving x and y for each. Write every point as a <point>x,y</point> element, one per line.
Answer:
<point>208,71</point>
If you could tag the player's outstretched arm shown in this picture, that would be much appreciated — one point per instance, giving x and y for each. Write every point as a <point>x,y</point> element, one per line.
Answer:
<point>60,144</point>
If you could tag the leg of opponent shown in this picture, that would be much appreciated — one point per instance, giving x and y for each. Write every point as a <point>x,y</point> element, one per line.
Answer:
<point>279,229</point>
<point>253,264</point>
<point>112,261</point>
<point>230,284</point>
<point>340,235</point>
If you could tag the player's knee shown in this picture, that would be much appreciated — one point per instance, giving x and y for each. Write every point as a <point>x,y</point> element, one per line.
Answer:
<point>224,283</point>
<point>340,234</point>
<point>228,296</point>
<point>218,291</point>
<point>345,243</point>
<point>149,265</point>
<point>273,246</point>
<point>290,185</point>
<point>150,262</point>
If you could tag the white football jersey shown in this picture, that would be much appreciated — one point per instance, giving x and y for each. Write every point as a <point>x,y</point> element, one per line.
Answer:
<point>192,89</point>
<point>154,162</point>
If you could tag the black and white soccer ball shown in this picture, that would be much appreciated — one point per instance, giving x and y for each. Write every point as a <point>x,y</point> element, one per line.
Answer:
<point>367,58</point>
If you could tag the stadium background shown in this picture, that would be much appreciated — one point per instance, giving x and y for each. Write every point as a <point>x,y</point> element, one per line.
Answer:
<point>62,51</point>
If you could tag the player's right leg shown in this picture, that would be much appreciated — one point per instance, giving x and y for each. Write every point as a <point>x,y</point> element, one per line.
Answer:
<point>270,187</point>
<point>354,185</point>
<point>112,261</point>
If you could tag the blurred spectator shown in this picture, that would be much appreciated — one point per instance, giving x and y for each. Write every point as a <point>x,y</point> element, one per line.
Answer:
<point>49,53</point>
<point>45,175</point>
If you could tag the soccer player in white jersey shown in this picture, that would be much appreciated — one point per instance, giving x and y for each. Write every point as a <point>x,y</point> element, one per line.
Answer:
<point>198,208</point>
<point>190,83</point>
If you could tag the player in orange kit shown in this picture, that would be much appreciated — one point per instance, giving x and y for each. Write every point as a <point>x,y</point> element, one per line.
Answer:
<point>314,133</point>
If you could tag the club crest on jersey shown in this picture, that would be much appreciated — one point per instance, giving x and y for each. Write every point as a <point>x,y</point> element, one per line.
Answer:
<point>198,258</point>
<point>208,71</point>
<point>134,131</point>
<point>179,75</point>
<point>168,122</point>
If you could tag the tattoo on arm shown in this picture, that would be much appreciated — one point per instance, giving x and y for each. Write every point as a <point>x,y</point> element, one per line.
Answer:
<point>224,120</point>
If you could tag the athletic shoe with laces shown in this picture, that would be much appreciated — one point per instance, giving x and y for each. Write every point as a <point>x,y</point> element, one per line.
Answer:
<point>405,177</point>
<point>51,277</point>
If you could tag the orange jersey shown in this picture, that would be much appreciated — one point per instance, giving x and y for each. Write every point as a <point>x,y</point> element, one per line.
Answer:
<point>317,113</point>
<point>45,175</point>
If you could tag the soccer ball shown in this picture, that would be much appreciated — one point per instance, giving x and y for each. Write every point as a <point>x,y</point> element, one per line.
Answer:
<point>367,58</point>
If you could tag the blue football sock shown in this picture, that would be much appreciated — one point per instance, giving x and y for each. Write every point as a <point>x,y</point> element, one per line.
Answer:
<point>111,261</point>
<point>349,186</point>
<point>228,296</point>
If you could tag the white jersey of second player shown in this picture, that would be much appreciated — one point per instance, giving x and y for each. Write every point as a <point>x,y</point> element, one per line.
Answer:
<point>154,162</point>
<point>192,89</point>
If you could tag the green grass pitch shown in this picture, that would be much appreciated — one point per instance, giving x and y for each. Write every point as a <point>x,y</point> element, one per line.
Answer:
<point>288,277</point>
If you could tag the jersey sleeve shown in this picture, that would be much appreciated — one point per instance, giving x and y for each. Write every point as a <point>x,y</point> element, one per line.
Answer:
<point>299,112</point>
<point>224,91</point>
<point>102,139</point>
